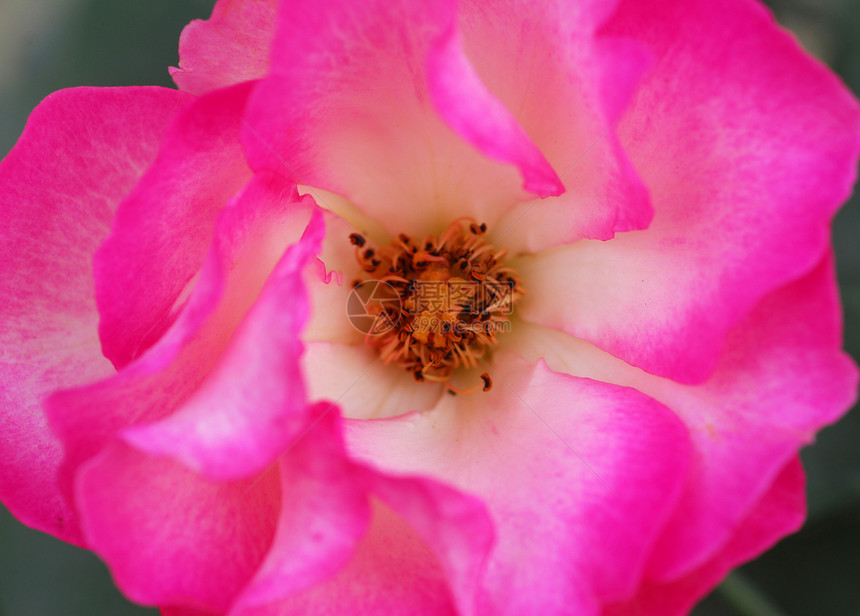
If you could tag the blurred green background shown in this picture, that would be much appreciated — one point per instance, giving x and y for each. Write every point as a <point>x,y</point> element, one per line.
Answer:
<point>46,45</point>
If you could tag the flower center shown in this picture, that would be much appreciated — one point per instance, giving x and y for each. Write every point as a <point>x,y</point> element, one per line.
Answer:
<point>440,303</point>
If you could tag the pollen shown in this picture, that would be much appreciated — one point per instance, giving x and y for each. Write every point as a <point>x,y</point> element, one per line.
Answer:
<point>450,298</point>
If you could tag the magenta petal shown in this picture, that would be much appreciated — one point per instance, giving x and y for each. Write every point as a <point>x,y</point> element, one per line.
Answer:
<point>780,511</point>
<point>748,146</point>
<point>347,108</point>
<point>455,525</point>
<point>184,611</point>
<point>61,186</point>
<point>325,560</point>
<point>170,536</point>
<point>251,235</point>
<point>598,469</point>
<point>782,378</point>
<point>568,85</point>
<point>232,46</point>
<point>393,571</point>
<point>324,513</point>
<point>252,404</point>
<point>470,109</point>
<point>150,541</point>
<point>163,229</point>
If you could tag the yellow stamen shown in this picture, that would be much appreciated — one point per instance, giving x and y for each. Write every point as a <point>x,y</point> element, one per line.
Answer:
<point>455,298</point>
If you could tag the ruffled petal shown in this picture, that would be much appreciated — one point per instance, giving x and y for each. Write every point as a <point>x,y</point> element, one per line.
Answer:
<point>455,525</point>
<point>392,572</point>
<point>781,378</point>
<point>183,469</point>
<point>748,146</point>
<point>579,477</point>
<point>157,384</point>
<point>252,404</point>
<point>170,536</point>
<point>348,107</point>
<point>323,514</point>
<point>163,230</point>
<point>230,47</point>
<point>480,118</point>
<point>183,611</point>
<point>780,511</point>
<point>329,282</point>
<point>568,85</point>
<point>78,157</point>
<point>353,540</point>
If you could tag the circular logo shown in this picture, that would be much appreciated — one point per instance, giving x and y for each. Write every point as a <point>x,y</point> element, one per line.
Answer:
<point>373,307</point>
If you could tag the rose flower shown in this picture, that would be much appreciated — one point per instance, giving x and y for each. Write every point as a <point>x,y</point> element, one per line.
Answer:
<point>476,307</point>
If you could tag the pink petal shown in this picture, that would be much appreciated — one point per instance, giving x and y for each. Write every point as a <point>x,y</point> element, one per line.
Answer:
<point>744,178</point>
<point>363,386</point>
<point>252,404</point>
<point>153,550</point>
<point>392,572</point>
<point>781,378</point>
<point>348,109</point>
<point>232,46</point>
<point>578,490</point>
<point>568,85</point>
<point>318,561</point>
<point>393,568</point>
<point>163,229</point>
<point>780,511</point>
<point>324,512</point>
<point>61,185</point>
<point>469,108</point>
<point>250,237</point>
<point>329,282</point>
<point>456,526</point>
<point>170,536</point>
<point>183,611</point>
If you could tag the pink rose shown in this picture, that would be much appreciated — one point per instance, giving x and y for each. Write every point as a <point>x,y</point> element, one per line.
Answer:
<point>610,323</point>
